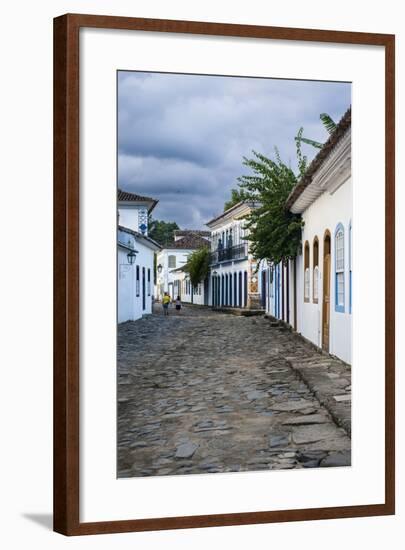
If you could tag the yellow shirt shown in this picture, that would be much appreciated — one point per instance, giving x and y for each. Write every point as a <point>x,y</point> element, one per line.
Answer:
<point>166,299</point>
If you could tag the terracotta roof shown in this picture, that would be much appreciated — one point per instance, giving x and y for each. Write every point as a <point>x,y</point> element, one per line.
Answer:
<point>189,242</point>
<point>186,232</point>
<point>126,196</point>
<point>341,128</point>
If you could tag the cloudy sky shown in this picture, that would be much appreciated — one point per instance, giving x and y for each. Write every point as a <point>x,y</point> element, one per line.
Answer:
<point>182,138</point>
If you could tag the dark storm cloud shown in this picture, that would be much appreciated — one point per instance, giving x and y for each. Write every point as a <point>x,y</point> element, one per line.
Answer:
<point>182,138</point>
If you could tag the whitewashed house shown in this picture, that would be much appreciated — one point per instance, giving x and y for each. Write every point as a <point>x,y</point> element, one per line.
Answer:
<point>171,261</point>
<point>235,277</point>
<point>314,293</point>
<point>135,256</point>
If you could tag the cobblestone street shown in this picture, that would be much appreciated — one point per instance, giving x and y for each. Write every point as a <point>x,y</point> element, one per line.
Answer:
<point>201,391</point>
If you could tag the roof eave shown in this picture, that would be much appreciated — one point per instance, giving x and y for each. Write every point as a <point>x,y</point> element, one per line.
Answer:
<point>323,155</point>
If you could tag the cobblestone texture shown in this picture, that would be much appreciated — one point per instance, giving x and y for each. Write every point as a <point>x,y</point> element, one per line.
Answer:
<point>203,392</point>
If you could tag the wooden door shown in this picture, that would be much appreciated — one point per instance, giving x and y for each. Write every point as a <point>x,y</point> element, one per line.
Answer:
<point>326,303</point>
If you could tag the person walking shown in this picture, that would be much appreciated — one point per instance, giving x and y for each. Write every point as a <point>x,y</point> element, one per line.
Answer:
<point>178,303</point>
<point>165,303</point>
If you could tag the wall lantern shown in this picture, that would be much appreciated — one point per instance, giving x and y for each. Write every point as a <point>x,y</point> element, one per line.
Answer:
<point>214,273</point>
<point>159,268</point>
<point>131,256</point>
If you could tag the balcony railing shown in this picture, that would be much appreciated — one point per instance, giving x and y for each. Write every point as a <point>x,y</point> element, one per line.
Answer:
<point>237,252</point>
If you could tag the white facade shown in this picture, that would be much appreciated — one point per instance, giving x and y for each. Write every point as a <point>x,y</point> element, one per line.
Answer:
<point>168,260</point>
<point>182,287</point>
<point>235,277</point>
<point>171,278</point>
<point>323,272</point>
<point>135,281</point>
<point>324,220</point>
<point>278,289</point>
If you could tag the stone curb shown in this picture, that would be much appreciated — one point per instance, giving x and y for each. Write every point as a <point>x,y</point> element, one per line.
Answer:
<point>326,390</point>
<point>241,312</point>
<point>325,375</point>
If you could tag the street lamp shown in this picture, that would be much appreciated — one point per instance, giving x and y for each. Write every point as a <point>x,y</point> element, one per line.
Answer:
<point>159,268</point>
<point>131,256</point>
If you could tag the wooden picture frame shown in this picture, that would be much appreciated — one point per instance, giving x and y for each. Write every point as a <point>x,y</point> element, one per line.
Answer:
<point>67,284</point>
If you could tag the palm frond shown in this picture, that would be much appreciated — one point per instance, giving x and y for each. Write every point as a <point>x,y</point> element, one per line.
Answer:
<point>327,121</point>
<point>309,142</point>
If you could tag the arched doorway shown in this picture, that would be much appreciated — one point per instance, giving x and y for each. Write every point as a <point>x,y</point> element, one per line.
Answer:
<point>326,291</point>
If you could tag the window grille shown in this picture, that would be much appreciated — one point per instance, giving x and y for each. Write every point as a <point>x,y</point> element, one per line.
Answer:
<point>339,269</point>
<point>306,284</point>
<point>316,283</point>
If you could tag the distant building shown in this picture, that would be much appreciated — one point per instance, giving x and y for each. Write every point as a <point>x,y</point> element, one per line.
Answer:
<point>170,262</point>
<point>314,293</point>
<point>135,256</point>
<point>182,233</point>
<point>235,278</point>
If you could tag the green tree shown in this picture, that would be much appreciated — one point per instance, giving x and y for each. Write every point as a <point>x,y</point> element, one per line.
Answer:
<point>162,232</point>
<point>198,265</point>
<point>236,196</point>
<point>274,232</point>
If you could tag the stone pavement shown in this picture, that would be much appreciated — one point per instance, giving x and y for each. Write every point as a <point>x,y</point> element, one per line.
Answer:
<point>203,391</point>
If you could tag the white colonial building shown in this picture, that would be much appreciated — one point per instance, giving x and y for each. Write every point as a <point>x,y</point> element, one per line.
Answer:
<point>314,293</point>
<point>235,277</point>
<point>171,261</point>
<point>135,256</point>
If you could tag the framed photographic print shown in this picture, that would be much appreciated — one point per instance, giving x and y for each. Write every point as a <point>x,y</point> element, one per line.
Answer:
<point>223,274</point>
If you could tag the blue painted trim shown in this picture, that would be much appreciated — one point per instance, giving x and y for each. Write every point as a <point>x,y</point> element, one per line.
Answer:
<point>276,290</point>
<point>340,309</point>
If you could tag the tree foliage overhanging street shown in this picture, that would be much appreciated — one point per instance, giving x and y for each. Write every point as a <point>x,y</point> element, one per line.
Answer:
<point>274,232</point>
<point>198,265</point>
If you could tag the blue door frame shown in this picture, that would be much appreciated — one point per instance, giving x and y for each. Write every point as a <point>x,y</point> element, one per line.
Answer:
<point>276,291</point>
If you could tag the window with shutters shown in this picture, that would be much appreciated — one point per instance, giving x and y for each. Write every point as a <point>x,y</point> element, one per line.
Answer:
<point>172,262</point>
<point>315,275</point>
<point>340,268</point>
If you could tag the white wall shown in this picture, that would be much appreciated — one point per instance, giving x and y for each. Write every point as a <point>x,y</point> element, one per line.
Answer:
<point>186,296</point>
<point>130,305</point>
<point>129,217</point>
<point>325,214</point>
<point>167,277</point>
<point>27,350</point>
